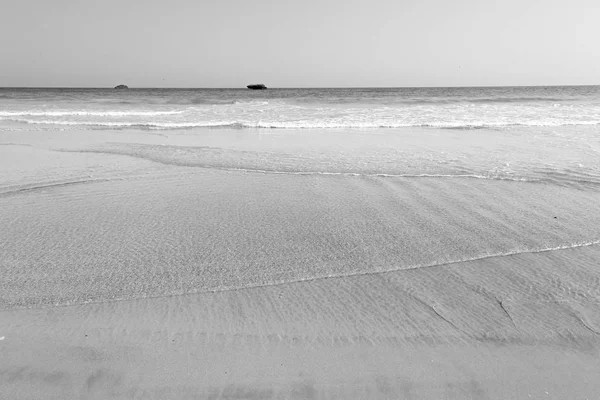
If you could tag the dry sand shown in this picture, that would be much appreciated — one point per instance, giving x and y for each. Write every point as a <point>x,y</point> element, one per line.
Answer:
<point>130,276</point>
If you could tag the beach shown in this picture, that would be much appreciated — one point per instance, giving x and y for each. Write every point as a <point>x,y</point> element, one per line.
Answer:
<point>236,263</point>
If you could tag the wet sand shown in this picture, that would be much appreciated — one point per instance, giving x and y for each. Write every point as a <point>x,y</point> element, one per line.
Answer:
<point>473,330</point>
<point>127,276</point>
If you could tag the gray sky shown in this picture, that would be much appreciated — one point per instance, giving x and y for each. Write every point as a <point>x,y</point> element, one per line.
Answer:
<point>309,43</point>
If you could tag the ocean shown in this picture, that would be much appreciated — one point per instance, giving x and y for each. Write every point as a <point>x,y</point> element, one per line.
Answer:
<point>471,107</point>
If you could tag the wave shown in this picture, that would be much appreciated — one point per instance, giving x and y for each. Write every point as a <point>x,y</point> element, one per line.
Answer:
<point>441,101</point>
<point>225,102</point>
<point>201,101</point>
<point>303,124</point>
<point>516,100</point>
<point>116,125</point>
<point>209,101</point>
<point>218,102</point>
<point>88,113</point>
<point>274,171</point>
<point>255,102</point>
<point>241,161</point>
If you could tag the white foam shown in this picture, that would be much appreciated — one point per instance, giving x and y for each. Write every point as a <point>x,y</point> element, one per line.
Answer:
<point>298,124</point>
<point>66,113</point>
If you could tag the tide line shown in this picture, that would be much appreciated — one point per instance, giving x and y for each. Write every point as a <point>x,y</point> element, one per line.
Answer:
<point>34,187</point>
<point>319,278</point>
<point>302,173</point>
<point>410,268</point>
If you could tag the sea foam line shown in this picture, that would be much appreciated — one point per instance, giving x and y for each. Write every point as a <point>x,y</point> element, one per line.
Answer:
<point>319,278</point>
<point>85,113</point>
<point>301,173</point>
<point>409,268</point>
<point>301,125</point>
<point>378,174</point>
<point>50,185</point>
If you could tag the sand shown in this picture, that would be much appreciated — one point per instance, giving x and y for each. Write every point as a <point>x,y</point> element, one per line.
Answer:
<point>137,266</point>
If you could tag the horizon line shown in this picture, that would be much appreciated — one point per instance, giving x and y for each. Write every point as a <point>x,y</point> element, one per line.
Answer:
<point>300,87</point>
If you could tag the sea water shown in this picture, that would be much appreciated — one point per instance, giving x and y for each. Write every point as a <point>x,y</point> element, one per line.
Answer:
<point>471,107</point>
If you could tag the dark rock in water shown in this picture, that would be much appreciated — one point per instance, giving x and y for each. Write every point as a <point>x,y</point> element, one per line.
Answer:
<point>121,87</point>
<point>259,86</point>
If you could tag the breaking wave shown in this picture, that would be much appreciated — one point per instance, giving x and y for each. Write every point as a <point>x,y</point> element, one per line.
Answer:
<point>67,113</point>
<point>299,124</point>
<point>452,108</point>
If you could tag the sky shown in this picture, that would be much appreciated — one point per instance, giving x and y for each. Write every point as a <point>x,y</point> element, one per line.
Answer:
<point>308,43</point>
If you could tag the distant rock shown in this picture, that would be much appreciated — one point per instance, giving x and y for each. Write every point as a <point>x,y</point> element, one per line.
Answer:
<point>259,86</point>
<point>121,87</point>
